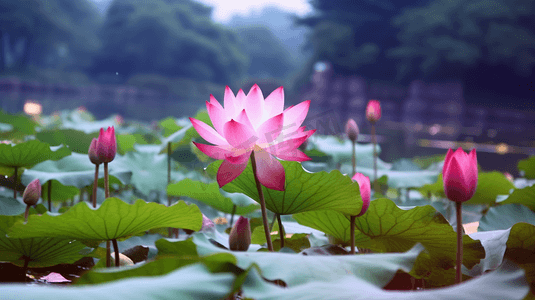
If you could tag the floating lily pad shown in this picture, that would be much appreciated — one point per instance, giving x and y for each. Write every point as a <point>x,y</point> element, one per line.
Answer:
<point>41,251</point>
<point>208,193</point>
<point>74,170</point>
<point>113,219</point>
<point>386,227</point>
<point>30,153</point>
<point>304,191</point>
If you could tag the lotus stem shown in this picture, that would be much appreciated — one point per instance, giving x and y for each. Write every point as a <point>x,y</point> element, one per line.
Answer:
<point>458,274</point>
<point>273,222</point>
<point>108,254</point>
<point>354,159</point>
<point>95,184</point>
<point>49,195</point>
<point>374,141</point>
<point>116,249</point>
<point>352,233</point>
<point>232,215</point>
<point>281,230</point>
<point>262,204</point>
<point>106,181</point>
<point>15,185</point>
<point>26,213</point>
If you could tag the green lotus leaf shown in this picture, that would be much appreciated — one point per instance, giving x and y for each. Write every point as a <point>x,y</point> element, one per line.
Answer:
<point>74,170</point>
<point>41,251</point>
<point>77,122</point>
<point>188,283</point>
<point>59,192</point>
<point>125,143</point>
<point>505,216</point>
<point>505,283</point>
<point>208,193</point>
<point>403,179</point>
<point>30,153</point>
<point>149,170</point>
<point>293,269</point>
<point>528,166</point>
<point>10,206</point>
<point>341,151</point>
<point>525,196</point>
<point>169,126</point>
<point>77,141</point>
<point>112,220</point>
<point>436,188</point>
<point>19,122</point>
<point>386,227</point>
<point>304,191</point>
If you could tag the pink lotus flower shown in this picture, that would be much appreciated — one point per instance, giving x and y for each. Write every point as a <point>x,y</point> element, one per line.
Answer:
<point>365,191</point>
<point>240,235</point>
<point>352,130</point>
<point>460,175</point>
<point>93,155</point>
<point>373,111</point>
<point>32,192</point>
<point>107,145</point>
<point>249,123</point>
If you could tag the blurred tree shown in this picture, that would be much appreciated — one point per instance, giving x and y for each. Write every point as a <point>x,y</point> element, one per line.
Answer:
<point>268,57</point>
<point>175,38</point>
<point>447,37</point>
<point>49,32</point>
<point>353,35</point>
<point>488,44</point>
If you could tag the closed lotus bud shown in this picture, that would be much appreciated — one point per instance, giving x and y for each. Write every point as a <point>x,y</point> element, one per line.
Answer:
<point>32,192</point>
<point>93,155</point>
<point>373,111</point>
<point>107,145</point>
<point>240,235</point>
<point>206,223</point>
<point>352,130</point>
<point>365,191</point>
<point>459,175</point>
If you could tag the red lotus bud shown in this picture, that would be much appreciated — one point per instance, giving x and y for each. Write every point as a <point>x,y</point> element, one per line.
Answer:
<point>32,192</point>
<point>373,111</point>
<point>93,155</point>
<point>460,175</point>
<point>352,130</point>
<point>107,145</point>
<point>365,191</point>
<point>240,235</point>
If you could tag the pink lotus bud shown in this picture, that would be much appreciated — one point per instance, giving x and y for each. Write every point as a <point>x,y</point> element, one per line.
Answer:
<point>32,192</point>
<point>206,223</point>
<point>240,235</point>
<point>373,111</point>
<point>107,145</point>
<point>93,155</point>
<point>509,176</point>
<point>365,191</point>
<point>460,175</point>
<point>352,130</point>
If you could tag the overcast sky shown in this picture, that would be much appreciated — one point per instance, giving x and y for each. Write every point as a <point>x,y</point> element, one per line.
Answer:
<point>224,9</point>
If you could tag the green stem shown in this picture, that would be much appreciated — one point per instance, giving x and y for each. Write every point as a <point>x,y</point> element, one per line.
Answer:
<point>354,159</point>
<point>352,233</point>
<point>116,249</point>
<point>108,254</point>
<point>49,195</point>
<point>458,274</point>
<point>374,140</point>
<point>272,222</point>
<point>281,230</point>
<point>95,184</point>
<point>15,185</point>
<point>262,204</point>
<point>26,212</point>
<point>232,215</point>
<point>106,180</point>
